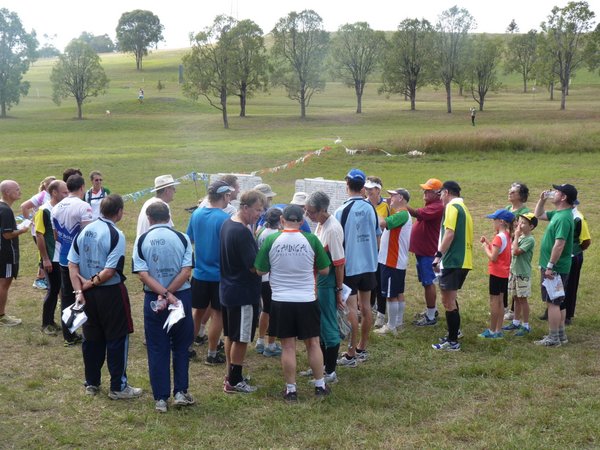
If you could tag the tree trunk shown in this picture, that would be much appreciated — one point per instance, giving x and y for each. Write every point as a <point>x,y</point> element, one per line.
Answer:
<point>524,84</point>
<point>302,102</point>
<point>460,90</point>
<point>563,99</point>
<point>243,96</point>
<point>448,96</point>
<point>79,109</point>
<point>3,111</point>
<point>224,108</point>
<point>358,89</point>
<point>551,90</point>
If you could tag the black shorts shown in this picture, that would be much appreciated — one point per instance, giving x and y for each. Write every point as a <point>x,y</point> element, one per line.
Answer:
<point>362,282</point>
<point>498,285</point>
<point>8,270</point>
<point>266,294</point>
<point>109,313</point>
<point>392,281</point>
<point>294,319</point>
<point>558,300</point>
<point>239,322</point>
<point>453,279</point>
<point>205,294</point>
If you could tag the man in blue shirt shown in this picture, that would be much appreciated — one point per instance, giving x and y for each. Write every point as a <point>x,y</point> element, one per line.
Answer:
<point>163,259</point>
<point>204,232</point>
<point>96,261</point>
<point>361,235</point>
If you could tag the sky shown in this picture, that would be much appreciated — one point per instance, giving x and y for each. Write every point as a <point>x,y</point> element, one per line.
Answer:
<point>66,19</point>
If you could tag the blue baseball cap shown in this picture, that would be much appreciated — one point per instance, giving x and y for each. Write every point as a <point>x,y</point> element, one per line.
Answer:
<point>356,175</point>
<point>502,214</point>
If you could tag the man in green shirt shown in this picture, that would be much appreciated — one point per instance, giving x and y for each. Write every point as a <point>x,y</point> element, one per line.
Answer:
<point>555,255</point>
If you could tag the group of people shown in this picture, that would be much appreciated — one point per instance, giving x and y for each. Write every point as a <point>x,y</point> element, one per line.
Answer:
<point>260,266</point>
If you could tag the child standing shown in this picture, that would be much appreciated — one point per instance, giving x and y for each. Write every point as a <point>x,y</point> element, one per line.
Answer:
<point>519,283</point>
<point>498,252</point>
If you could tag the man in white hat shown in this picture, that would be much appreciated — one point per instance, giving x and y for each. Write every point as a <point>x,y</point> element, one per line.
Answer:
<point>164,188</point>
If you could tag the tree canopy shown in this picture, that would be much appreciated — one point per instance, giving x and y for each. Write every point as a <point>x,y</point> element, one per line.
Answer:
<point>137,30</point>
<point>101,43</point>
<point>78,74</point>
<point>17,52</point>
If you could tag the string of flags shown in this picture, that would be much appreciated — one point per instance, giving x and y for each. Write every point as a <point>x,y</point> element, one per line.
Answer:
<point>205,177</point>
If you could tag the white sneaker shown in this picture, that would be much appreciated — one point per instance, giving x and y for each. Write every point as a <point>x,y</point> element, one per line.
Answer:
<point>127,393</point>
<point>161,406</point>
<point>380,321</point>
<point>386,329</point>
<point>183,399</point>
<point>509,315</point>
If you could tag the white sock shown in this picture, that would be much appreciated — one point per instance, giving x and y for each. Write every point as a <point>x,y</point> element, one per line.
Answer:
<point>526,325</point>
<point>212,353</point>
<point>516,322</point>
<point>260,341</point>
<point>320,382</point>
<point>399,314</point>
<point>392,308</point>
<point>290,387</point>
<point>431,313</point>
<point>272,346</point>
<point>202,331</point>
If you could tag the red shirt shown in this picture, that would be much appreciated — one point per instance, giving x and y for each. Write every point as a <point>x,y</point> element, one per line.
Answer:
<point>501,267</point>
<point>426,230</point>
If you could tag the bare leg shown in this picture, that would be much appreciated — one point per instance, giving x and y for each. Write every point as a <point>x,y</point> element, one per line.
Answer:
<point>364,298</point>
<point>215,329</point>
<point>288,360</point>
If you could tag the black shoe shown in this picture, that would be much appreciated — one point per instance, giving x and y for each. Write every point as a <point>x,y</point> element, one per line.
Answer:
<point>290,397</point>
<point>200,340</point>
<point>321,392</point>
<point>220,346</point>
<point>191,354</point>
<point>544,316</point>
<point>568,321</point>
<point>215,360</point>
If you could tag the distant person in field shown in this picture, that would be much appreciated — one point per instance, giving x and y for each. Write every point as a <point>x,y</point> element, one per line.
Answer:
<point>141,95</point>
<point>472,112</point>
<point>164,187</point>
<point>96,193</point>
<point>10,192</point>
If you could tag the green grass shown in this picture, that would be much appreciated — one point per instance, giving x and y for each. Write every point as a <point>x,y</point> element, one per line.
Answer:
<point>507,394</point>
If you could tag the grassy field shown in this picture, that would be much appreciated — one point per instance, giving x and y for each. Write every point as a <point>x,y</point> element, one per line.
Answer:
<point>508,394</point>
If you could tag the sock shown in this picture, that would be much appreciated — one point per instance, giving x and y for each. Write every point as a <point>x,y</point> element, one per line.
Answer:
<point>202,331</point>
<point>400,314</point>
<point>320,382</point>
<point>554,335</point>
<point>392,308</point>
<point>561,332</point>
<point>272,346</point>
<point>290,387</point>
<point>212,353</point>
<point>235,374</point>
<point>516,322</point>
<point>431,313</point>
<point>260,341</point>
<point>453,322</point>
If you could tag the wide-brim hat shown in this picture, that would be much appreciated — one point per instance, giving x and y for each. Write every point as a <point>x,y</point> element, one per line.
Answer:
<point>164,181</point>
<point>265,189</point>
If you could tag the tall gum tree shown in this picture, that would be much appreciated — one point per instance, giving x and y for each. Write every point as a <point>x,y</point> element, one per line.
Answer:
<point>138,30</point>
<point>356,50</point>
<point>17,52</point>
<point>300,45</point>
<point>78,74</point>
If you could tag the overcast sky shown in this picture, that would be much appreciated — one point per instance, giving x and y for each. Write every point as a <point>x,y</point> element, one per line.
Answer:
<point>67,18</point>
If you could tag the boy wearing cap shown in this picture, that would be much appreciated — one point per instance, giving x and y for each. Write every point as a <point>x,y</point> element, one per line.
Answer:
<point>498,253</point>
<point>555,255</point>
<point>519,281</point>
<point>291,257</point>
<point>393,259</point>
<point>164,188</point>
<point>454,259</point>
<point>204,231</point>
<point>361,236</point>
<point>423,243</point>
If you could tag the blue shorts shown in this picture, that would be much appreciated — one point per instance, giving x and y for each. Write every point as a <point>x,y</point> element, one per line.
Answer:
<point>425,270</point>
<point>392,281</point>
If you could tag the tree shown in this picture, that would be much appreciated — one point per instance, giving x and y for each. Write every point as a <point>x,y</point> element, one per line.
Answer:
<point>100,44</point>
<point>137,30</point>
<point>566,30</point>
<point>512,27</point>
<point>299,49</point>
<point>452,28</point>
<point>250,65</point>
<point>408,61</point>
<point>356,51</point>
<point>17,52</point>
<point>78,74</point>
<point>483,77</point>
<point>522,55</point>
<point>208,67</point>
<point>545,67</point>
